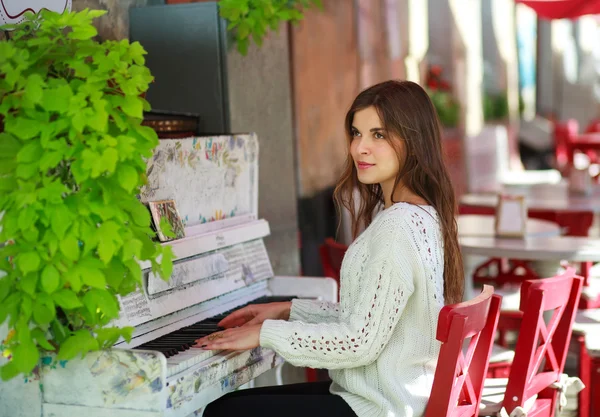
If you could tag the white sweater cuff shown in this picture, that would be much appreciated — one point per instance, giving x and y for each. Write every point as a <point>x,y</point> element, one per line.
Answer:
<point>272,334</point>
<point>301,310</point>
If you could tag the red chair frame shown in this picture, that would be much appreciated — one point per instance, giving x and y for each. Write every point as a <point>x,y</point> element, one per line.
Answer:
<point>540,345</point>
<point>459,377</point>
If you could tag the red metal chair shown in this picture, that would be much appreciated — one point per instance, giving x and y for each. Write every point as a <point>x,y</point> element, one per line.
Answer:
<point>563,132</point>
<point>541,349</point>
<point>332,254</point>
<point>458,380</point>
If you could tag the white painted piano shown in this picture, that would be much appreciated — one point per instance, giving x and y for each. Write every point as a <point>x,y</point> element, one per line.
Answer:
<point>222,264</point>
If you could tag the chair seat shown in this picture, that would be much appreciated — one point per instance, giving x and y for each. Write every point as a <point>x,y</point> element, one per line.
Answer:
<point>501,354</point>
<point>493,395</point>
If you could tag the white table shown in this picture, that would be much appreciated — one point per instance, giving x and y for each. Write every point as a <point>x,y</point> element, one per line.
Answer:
<point>554,197</point>
<point>575,249</point>
<point>480,225</point>
<point>545,253</point>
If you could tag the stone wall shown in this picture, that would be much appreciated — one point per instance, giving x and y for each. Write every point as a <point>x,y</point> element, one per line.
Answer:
<point>115,23</point>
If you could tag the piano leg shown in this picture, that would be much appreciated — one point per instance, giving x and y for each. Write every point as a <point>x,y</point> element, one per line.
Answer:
<point>279,374</point>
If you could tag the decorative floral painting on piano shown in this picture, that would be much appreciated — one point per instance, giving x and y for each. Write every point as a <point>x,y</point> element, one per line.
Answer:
<point>212,179</point>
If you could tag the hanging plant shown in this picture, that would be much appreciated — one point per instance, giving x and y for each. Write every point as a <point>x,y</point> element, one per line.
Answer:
<point>495,107</point>
<point>252,19</point>
<point>71,162</point>
<point>440,92</point>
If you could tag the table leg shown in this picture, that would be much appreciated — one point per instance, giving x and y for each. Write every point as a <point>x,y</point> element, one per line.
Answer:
<point>595,387</point>
<point>584,375</point>
<point>470,263</point>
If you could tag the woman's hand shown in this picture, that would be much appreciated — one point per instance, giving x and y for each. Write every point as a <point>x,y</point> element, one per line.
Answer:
<point>239,338</point>
<point>256,314</point>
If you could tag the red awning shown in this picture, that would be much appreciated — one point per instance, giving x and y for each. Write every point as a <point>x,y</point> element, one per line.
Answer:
<point>559,9</point>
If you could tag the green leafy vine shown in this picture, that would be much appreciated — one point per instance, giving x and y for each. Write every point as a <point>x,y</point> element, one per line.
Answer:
<point>252,19</point>
<point>72,152</point>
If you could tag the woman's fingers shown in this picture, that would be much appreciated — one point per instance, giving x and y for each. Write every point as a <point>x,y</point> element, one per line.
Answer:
<point>237,318</point>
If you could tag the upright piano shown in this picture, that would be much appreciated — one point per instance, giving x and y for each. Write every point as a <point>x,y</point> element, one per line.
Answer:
<point>221,265</point>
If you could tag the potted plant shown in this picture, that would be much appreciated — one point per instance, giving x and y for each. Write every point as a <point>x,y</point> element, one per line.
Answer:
<point>439,90</point>
<point>71,162</point>
<point>495,107</point>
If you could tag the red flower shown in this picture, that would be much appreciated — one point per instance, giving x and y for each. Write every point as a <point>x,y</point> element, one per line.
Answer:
<point>436,70</point>
<point>432,84</point>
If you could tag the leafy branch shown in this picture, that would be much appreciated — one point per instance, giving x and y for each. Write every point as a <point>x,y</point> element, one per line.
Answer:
<point>72,152</point>
<point>252,19</point>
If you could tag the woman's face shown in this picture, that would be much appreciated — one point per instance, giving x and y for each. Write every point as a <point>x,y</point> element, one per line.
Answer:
<point>374,157</point>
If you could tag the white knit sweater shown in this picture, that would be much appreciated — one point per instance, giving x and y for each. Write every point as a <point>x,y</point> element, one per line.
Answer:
<point>379,342</point>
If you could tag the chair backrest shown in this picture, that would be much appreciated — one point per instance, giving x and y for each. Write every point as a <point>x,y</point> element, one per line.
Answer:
<point>563,132</point>
<point>332,253</point>
<point>542,348</point>
<point>593,127</point>
<point>459,376</point>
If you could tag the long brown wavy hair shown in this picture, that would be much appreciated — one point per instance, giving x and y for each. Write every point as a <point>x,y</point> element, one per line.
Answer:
<point>406,112</point>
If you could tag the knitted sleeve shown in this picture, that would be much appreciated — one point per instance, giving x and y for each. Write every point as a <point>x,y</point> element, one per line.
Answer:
<point>368,318</point>
<point>313,311</point>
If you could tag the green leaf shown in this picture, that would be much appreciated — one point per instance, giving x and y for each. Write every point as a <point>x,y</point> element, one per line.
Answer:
<point>9,371</point>
<point>7,166</point>
<point>103,300</point>
<point>26,171</point>
<point>9,146</point>
<point>66,299</point>
<point>73,278</point>
<point>29,283</point>
<point>128,177</point>
<point>93,277</point>
<point>40,338</point>
<point>28,262</point>
<point>69,247</point>
<point>61,218</point>
<point>22,127</point>
<point>83,32</point>
<point>98,120</point>
<point>81,342</point>
<point>33,89</point>
<point>106,250</point>
<point>132,249</point>
<point>27,218</point>
<point>57,99</point>
<point>50,160</point>
<point>243,30</point>
<point>242,46</point>
<point>132,106</point>
<point>5,287</point>
<point>109,336</point>
<point>25,357</point>
<point>109,159</point>
<point>42,314</point>
<point>26,308</point>
<point>8,184</point>
<point>59,331</point>
<point>50,279</point>
<point>166,263</point>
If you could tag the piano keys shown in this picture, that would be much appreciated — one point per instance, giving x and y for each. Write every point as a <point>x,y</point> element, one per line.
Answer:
<point>221,265</point>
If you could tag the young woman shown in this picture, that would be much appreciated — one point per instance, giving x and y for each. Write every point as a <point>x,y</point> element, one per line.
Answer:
<point>379,341</point>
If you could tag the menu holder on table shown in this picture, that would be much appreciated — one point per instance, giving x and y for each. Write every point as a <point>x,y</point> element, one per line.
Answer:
<point>580,181</point>
<point>511,216</point>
